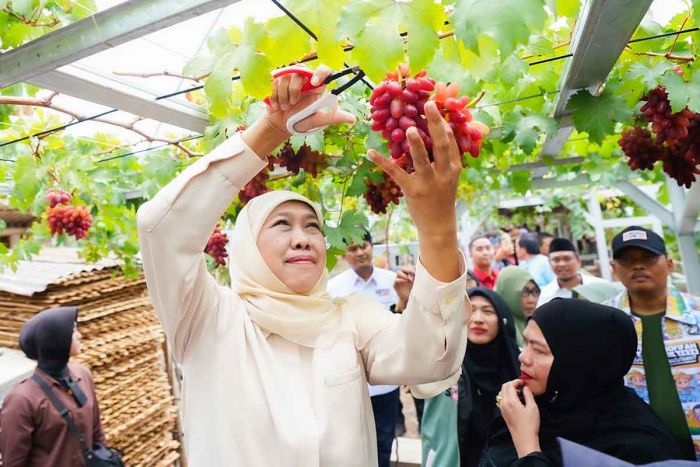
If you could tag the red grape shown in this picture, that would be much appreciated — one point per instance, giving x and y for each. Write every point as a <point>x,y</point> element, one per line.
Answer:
<point>70,219</point>
<point>216,246</point>
<point>380,195</point>
<point>56,196</point>
<point>398,103</point>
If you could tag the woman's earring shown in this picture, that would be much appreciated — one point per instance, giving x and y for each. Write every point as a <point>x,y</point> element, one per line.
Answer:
<point>554,397</point>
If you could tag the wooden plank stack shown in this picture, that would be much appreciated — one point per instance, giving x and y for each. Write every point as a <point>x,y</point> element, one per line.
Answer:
<point>122,343</point>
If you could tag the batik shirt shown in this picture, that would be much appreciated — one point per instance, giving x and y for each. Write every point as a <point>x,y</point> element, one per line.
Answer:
<point>681,329</point>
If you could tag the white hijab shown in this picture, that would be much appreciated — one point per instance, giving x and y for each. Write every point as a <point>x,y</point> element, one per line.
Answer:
<point>312,319</point>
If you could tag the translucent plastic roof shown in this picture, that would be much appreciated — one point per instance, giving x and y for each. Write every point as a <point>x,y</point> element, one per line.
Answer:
<point>169,50</point>
<point>166,50</point>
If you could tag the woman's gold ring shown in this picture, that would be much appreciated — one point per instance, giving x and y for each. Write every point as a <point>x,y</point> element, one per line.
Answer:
<point>499,400</point>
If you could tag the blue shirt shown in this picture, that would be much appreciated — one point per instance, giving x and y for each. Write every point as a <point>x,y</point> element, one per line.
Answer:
<point>539,269</point>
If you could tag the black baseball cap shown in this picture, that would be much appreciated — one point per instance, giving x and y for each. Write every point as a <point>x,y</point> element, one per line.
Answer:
<point>638,237</point>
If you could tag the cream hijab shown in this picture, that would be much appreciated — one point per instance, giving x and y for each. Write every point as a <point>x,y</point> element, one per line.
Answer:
<point>312,319</point>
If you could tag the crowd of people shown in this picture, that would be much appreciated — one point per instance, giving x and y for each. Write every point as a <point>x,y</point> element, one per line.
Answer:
<point>512,350</point>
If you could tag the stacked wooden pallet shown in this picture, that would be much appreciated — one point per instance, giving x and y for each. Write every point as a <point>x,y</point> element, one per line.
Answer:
<point>122,344</point>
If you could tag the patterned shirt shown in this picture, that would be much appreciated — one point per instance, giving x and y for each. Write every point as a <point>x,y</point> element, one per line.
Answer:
<point>681,328</point>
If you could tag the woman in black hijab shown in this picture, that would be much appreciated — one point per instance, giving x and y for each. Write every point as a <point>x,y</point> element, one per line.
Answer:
<point>33,432</point>
<point>491,360</point>
<point>572,367</point>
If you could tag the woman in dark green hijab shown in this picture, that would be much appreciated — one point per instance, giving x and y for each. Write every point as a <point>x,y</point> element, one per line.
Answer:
<point>519,290</point>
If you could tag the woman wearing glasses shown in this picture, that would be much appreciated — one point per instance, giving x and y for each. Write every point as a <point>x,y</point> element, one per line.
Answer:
<point>519,290</point>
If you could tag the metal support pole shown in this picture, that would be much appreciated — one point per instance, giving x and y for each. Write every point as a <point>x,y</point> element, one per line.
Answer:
<point>596,220</point>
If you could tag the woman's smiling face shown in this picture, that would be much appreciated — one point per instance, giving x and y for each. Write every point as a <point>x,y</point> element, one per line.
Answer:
<point>293,246</point>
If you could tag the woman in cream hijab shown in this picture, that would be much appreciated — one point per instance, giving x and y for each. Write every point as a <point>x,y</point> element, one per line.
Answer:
<point>275,372</point>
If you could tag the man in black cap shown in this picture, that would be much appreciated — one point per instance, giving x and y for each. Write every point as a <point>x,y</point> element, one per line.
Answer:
<point>566,265</point>
<point>668,329</point>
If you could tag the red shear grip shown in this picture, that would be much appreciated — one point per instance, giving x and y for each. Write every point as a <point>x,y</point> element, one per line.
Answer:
<point>308,74</point>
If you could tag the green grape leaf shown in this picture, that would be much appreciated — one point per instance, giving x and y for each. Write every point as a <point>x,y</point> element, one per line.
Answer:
<point>681,93</point>
<point>199,65</point>
<point>696,12</point>
<point>23,7</point>
<point>332,255</point>
<point>253,66</point>
<point>353,18</point>
<point>27,178</point>
<point>511,70</point>
<point>530,128</point>
<point>649,76</point>
<point>374,59</point>
<point>597,115</point>
<point>507,22</point>
<point>422,19</point>
<point>568,8</point>
<point>521,181</point>
<point>218,85</point>
<point>288,42</point>
<point>321,16</point>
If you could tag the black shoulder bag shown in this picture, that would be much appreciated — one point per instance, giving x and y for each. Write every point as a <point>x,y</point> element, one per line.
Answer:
<point>98,455</point>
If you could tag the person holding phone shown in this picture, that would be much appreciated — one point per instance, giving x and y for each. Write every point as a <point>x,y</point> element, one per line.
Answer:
<point>571,386</point>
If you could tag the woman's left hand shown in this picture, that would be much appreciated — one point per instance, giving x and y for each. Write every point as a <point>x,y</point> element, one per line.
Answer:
<point>430,193</point>
<point>523,420</point>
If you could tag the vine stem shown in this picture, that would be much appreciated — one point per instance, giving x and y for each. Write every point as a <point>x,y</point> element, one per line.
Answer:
<point>476,100</point>
<point>675,39</point>
<point>667,55</point>
<point>196,79</point>
<point>31,21</point>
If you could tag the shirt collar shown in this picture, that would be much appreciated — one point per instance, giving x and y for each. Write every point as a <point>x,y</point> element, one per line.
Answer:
<point>361,281</point>
<point>53,381</point>
<point>677,307</point>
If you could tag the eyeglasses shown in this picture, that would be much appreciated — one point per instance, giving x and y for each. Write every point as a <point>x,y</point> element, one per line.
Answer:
<point>534,291</point>
<point>628,261</point>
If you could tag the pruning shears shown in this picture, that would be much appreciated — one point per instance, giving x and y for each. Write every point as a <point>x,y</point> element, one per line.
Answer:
<point>328,101</point>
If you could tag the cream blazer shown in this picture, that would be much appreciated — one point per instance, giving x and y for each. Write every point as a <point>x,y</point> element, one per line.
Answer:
<point>255,399</point>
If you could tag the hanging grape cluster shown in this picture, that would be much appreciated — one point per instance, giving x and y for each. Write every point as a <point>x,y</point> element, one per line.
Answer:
<point>56,196</point>
<point>380,194</point>
<point>675,140</point>
<point>256,187</point>
<point>64,218</point>
<point>306,159</point>
<point>312,162</point>
<point>398,103</point>
<point>216,246</point>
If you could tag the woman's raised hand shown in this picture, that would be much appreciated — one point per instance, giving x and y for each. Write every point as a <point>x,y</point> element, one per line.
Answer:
<point>287,99</point>
<point>430,193</point>
<point>523,419</point>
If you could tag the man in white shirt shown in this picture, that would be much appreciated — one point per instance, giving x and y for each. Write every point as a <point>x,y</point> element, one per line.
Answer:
<point>363,277</point>
<point>566,265</point>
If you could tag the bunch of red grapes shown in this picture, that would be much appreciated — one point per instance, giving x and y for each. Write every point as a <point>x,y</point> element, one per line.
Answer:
<point>676,143</point>
<point>56,196</point>
<point>398,102</point>
<point>256,187</point>
<point>69,219</point>
<point>66,218</point>
<point>216,246</point>
<point>380,195</point>
<point>312,162</point>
